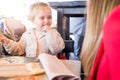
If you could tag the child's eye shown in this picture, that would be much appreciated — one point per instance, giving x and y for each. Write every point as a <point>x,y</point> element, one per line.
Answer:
<point>49,17</point>
<point>41,18</point>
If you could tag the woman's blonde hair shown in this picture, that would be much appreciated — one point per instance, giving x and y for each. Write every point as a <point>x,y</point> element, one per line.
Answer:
<point>35,7</point>
<point>97,11</point>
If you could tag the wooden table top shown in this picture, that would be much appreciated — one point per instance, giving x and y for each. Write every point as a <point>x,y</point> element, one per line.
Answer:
<point>74,66</point>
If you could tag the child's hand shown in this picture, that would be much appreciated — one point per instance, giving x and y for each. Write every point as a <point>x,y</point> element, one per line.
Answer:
<point>46,28</point>
<point>4,40</point>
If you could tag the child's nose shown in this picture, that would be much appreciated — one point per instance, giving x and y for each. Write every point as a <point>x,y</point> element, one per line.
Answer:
<point>46,21</point>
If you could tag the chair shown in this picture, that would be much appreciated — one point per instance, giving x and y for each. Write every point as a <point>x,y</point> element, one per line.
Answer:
<point>69,47</point>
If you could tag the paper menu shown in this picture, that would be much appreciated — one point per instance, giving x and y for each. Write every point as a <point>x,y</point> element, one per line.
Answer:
<point>55,69</point>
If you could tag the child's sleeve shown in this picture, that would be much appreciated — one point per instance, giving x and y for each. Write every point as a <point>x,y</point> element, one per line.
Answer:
<point>54,41</point>
<point>16,48</point>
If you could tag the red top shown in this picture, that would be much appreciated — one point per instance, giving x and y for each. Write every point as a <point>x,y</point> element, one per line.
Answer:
<point>107,63</point>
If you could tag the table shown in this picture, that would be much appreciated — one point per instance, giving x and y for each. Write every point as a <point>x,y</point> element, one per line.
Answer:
<point>74,66</point>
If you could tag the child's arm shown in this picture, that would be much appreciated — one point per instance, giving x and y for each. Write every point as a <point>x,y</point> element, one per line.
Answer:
<point>12,47</point>
<point>54,41</point>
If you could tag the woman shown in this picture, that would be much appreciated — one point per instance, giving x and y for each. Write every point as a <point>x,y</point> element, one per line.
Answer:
<point>97,11</point>
<point>107,63</point>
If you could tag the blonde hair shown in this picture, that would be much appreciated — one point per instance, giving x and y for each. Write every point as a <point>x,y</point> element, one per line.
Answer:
<point>97,11</point>
<point>34,7</point>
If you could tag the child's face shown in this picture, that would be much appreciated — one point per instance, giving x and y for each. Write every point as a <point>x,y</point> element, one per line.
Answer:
<point>43,17</point>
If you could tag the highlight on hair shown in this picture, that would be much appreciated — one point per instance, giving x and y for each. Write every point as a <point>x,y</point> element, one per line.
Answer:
<point>97,11</point>
<point>34,7</point>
